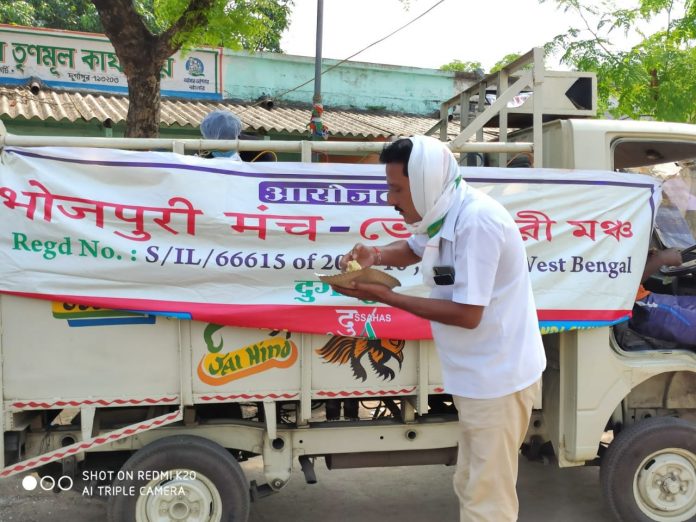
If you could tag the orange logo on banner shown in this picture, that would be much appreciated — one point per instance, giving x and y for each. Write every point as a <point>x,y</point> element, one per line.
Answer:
<point>216,369</point>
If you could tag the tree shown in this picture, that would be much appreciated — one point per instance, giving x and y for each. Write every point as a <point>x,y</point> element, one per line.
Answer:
<point>459,66</point>
<point>144,39</point>
<point>81,15</point>
<point>505,60</point>
<point>277,15</point>
<point>656,77</point>
<point>75,15</point>
<point>475,67</point>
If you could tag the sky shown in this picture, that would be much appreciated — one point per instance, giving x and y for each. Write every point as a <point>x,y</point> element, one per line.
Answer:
<point>482,31</point>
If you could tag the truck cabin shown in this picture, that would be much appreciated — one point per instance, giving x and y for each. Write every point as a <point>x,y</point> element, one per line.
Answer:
<point>665,151</point>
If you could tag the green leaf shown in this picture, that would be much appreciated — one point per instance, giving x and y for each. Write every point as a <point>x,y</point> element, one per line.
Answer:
<point>654,78</point>
<point>459,66</point>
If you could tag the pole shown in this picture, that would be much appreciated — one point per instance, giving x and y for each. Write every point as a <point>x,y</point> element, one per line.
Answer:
<point>316,126</point>
<point>317,54</point>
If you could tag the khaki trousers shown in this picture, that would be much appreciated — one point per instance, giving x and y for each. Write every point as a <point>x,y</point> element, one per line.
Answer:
<point>491,433</point>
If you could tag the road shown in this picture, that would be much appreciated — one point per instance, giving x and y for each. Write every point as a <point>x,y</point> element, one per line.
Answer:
<point>403,494</point>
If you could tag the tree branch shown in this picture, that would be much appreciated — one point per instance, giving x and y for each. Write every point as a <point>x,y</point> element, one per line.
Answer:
<point>124,27</point>
<point>598,39</point>
<point>195,15</point>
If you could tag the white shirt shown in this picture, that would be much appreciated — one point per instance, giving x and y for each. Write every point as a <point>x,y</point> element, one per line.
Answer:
<point>504,353</point>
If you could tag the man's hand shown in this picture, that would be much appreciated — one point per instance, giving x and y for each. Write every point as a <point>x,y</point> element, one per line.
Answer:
<point>658,258</point>
<point>440,310</point>
<point>364,255</point>
<point>670,257</point>
<point>397,254</point>
<point>365,291</point>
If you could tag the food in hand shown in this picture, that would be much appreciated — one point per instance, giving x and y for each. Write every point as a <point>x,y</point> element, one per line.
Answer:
<point>353,266</point>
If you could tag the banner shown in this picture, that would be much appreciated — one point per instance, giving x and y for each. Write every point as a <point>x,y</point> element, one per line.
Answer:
<point>73,60</point>
<point>239,243</point>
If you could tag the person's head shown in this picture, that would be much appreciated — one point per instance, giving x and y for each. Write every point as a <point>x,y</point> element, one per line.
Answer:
<point>395,156</point>
<point>221,125</point>
<point>422,174</point>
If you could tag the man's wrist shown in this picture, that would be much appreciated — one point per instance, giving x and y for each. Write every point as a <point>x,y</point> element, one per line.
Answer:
<point>378,255</point>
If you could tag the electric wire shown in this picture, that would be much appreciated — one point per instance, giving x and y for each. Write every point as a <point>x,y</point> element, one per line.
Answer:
<point>404,26</point>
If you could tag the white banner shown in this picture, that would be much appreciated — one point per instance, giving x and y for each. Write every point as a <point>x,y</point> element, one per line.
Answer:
<point>239,243</point>
<point>68,59</point>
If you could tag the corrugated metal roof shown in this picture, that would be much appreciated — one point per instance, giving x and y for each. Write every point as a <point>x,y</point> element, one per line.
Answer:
<point>72,106</point>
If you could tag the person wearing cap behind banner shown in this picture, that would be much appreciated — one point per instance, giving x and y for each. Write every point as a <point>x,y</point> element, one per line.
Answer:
<point>225,125</point>
<point>481,309</point>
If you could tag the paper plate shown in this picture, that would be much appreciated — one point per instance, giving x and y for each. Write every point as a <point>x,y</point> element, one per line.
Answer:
<point>366,275</point>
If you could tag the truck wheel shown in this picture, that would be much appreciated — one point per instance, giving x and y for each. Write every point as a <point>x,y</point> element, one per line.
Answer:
<point>649,472</point>
<point>182,477</point>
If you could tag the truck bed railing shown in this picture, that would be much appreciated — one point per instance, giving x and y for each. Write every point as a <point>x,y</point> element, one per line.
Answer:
<point>545,95</point>
<point>304,147</point>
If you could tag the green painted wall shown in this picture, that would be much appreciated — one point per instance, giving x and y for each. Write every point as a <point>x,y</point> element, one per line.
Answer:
<point>351,85</point>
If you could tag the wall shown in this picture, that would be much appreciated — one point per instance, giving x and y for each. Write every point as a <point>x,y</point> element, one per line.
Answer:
<point>351,85</point>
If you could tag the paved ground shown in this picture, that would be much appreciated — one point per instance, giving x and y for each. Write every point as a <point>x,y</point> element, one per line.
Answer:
<point>408,494</point>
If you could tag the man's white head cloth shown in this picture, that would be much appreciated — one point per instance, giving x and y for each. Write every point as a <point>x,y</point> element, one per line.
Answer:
<point>432,176</point>
<point>434,179</point>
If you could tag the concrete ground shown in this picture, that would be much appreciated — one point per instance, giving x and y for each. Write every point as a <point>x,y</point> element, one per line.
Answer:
<point>403,494</point>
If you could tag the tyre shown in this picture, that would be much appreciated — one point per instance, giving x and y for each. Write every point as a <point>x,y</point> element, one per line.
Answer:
<point>181,477</point>
<point>649,472</point>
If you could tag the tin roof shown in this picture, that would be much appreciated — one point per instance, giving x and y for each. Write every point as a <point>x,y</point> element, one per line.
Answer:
<point>72,106</point>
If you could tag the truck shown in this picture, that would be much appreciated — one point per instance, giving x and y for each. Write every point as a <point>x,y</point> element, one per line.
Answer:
<point>158,405</point>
